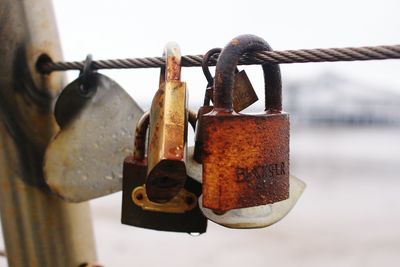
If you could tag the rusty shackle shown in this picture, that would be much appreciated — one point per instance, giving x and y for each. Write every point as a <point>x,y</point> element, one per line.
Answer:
<point>226,66</point>
<point>172,69</point>
<point>139,146</point>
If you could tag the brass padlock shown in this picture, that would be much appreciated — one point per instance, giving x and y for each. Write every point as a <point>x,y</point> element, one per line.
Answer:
<point>246,157</point>
<point>166,174</point>
<point>181,214</point>
<point>243,96</point>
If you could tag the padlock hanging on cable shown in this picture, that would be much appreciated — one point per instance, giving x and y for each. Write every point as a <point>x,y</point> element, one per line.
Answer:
<point>84,160</point>
<point>245,157</point>
<point>242,218</point>
<point>166,173</point>
<point>180,214</point>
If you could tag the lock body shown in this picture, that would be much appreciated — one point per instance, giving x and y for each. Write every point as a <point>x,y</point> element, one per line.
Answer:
<point>245,160</point>
<point>162,217</point>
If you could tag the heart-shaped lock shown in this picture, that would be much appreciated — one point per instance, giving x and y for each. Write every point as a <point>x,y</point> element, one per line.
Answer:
<point>84,160</point>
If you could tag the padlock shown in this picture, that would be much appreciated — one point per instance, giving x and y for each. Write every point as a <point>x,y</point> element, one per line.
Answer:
<point>166,173</point>
<point>243,96</point>
<point>245,157</point>
<point>84,160</point>
<point>181,214</point>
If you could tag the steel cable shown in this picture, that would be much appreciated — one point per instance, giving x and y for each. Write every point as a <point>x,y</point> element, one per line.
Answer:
<point>273,57</point>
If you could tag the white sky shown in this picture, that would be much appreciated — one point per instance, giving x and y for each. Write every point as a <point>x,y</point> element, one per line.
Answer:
<point>121,29</point>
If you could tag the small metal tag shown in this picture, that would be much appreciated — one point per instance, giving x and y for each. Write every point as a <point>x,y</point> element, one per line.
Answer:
<point>243,92</point>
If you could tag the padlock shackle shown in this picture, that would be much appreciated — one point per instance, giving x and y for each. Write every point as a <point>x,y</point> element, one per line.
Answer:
<point>139,146</point>
<point>226,66</point>
<point>207,74</point>
<point>205,67</point>
<point>172,69</point>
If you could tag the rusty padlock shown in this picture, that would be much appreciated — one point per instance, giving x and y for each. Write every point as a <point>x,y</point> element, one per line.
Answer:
<point>166,174</point>
<point>243,96</point>
<point>181,214</point>
<point>246,157</point>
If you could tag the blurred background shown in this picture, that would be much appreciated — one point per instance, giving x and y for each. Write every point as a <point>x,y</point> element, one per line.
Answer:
<point>345,125</point>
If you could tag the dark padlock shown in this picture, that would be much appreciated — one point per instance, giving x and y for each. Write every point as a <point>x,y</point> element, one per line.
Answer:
<point>246,157</point>
<point>166,172</point>
<point>181,214</point>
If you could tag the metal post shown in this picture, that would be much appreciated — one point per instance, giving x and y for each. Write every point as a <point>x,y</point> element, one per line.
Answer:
<point>39,228</point>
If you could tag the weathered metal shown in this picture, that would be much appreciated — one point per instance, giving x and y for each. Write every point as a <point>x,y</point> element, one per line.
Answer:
<point>181,214</point>
<point>243,97</point>
<point>166,172</point>
<point>184,201</point>
<point>206,107</point>
<point>84,160</point>
<point>40,229</point>
<point>246,157</point>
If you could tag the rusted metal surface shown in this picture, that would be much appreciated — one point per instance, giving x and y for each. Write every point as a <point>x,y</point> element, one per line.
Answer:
<point>84,160</point>
<point>243,97</point>
<point>167,133</point>
<point>246,157</point>
<point>206,108</point>
<point>243,91</point>
<point>39,228</point>
<point>182,216</point>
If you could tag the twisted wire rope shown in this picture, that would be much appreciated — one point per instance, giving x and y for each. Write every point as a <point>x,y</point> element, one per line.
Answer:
<point>273,57</point>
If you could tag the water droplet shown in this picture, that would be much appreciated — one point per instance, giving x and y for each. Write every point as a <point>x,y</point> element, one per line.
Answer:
<point>84,177</point>
<point>194,234</point>
<point>80,158</point>
<point>113,136</point>
<point>108,177</point>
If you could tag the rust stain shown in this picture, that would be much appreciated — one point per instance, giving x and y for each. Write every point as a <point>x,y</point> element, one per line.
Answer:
<point>168,122</point>
<point>245,161</point>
